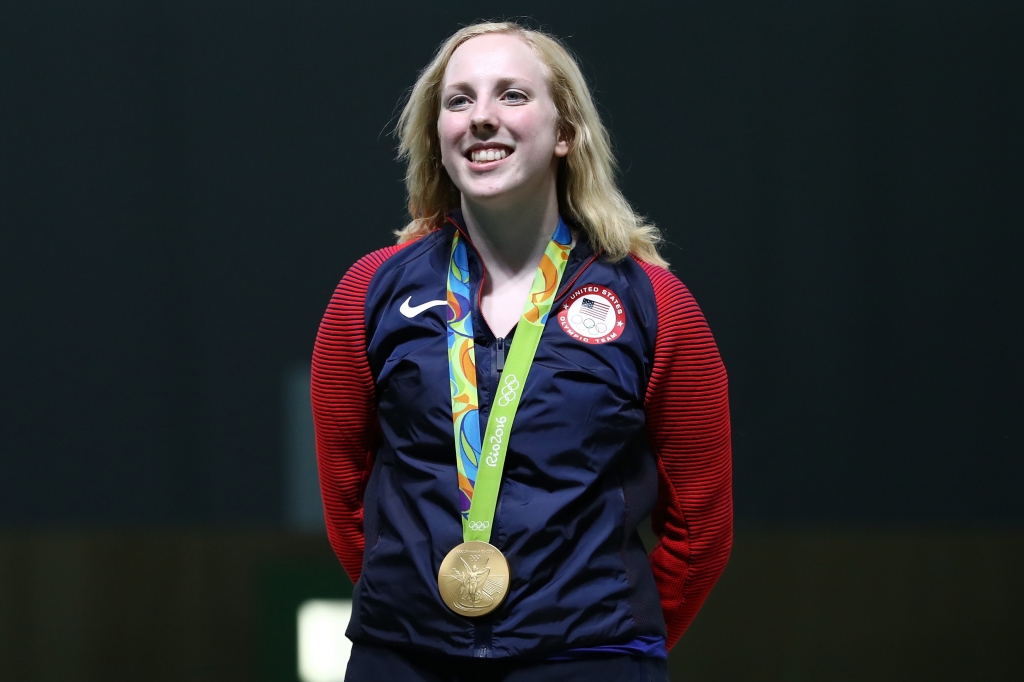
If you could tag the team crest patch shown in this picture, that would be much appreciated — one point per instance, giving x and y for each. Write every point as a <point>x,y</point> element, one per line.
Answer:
<point>592,314</point>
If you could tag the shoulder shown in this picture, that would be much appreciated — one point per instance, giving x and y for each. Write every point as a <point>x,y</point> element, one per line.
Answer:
<point>672,298</point>
<point>680,323</point>
<point>377,264</point>
<point>666,286</point>
<point>388,258</point>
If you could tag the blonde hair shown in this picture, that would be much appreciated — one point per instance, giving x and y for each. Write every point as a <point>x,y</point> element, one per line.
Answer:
<point>587,193</point>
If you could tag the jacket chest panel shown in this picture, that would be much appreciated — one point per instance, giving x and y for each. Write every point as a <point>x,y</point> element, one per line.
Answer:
<point>575,396</point>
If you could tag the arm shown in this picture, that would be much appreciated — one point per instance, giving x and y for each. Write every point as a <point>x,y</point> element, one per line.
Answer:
<point>687,407</point>
<point>345,411</point>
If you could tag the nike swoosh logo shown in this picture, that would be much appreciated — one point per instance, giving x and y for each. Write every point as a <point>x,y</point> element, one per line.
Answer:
<point>411,311</point>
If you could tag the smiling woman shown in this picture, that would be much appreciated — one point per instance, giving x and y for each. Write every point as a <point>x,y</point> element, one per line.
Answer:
<point>560,438</point>
<point>587,193</point>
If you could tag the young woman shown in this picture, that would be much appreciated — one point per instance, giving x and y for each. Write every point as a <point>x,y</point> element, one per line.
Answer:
<point>502,397</point>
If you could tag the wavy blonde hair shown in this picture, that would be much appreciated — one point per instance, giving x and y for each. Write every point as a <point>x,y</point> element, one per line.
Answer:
<point>587,192</point>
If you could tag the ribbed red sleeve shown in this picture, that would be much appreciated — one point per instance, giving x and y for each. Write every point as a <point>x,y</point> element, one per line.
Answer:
<point>687,406</point>
<point>345,410</point>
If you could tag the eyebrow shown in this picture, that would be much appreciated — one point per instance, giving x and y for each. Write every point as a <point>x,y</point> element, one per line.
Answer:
<point>502,83</point>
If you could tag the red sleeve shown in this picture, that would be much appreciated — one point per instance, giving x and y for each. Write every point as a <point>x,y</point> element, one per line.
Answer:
<point>687,406</point>
<point>345,410</point>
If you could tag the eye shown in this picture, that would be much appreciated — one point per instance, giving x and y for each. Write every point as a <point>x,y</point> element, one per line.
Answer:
<point>457,102</point>
<point>514,96</point>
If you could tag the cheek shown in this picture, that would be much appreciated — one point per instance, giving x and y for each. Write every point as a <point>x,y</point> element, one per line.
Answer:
<point>448,135</point>
<point>535,127</point>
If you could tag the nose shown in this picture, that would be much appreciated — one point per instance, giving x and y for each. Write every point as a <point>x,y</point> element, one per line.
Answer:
<point>484,120</point>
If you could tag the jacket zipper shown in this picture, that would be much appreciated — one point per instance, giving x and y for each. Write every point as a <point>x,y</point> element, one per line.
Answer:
<point>499,364</point>
<point>499,355</point>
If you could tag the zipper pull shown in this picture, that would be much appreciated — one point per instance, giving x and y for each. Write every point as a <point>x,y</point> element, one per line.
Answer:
<point>500,353</point>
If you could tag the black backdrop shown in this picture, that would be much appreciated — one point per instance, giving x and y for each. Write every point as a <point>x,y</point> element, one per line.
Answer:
<point>182,184</point>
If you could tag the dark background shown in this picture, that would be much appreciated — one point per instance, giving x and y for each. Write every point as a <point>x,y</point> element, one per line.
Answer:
<point>182,185</point>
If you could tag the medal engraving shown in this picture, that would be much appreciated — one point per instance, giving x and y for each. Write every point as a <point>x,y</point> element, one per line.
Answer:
<point>473,579</point>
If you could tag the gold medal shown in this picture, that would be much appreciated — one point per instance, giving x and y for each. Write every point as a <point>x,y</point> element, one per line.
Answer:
<point>473,579</point>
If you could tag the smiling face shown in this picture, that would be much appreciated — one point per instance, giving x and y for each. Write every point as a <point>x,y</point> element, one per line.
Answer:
<point>498,127</point>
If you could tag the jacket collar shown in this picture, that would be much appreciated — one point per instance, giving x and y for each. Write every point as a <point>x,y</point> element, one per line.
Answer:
<point>582,252</point>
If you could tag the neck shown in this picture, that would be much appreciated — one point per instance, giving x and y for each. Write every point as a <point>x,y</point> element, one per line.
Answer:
<point>511,240</point>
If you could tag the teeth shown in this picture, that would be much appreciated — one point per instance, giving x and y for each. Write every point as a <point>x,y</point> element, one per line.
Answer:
<point>481,155</point>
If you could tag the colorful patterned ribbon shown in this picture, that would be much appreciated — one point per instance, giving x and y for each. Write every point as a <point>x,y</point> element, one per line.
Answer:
<point>478,513</point>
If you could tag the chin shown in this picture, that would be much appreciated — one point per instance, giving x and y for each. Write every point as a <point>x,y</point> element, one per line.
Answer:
<point>499,191</point>
<point>493,197</point>
<point>483,191</point>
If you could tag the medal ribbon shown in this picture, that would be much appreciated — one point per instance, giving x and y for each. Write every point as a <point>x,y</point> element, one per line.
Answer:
<point>480,468</point>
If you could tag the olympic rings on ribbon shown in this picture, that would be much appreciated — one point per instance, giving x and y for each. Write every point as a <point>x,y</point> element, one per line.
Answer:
<point>509,390</point>
<point>479,525</point>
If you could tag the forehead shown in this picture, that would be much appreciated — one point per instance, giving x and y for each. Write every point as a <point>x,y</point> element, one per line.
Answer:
<point>494,56</point>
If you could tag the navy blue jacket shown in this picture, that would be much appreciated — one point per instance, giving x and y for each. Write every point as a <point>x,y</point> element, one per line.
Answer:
<point>620,419</point>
